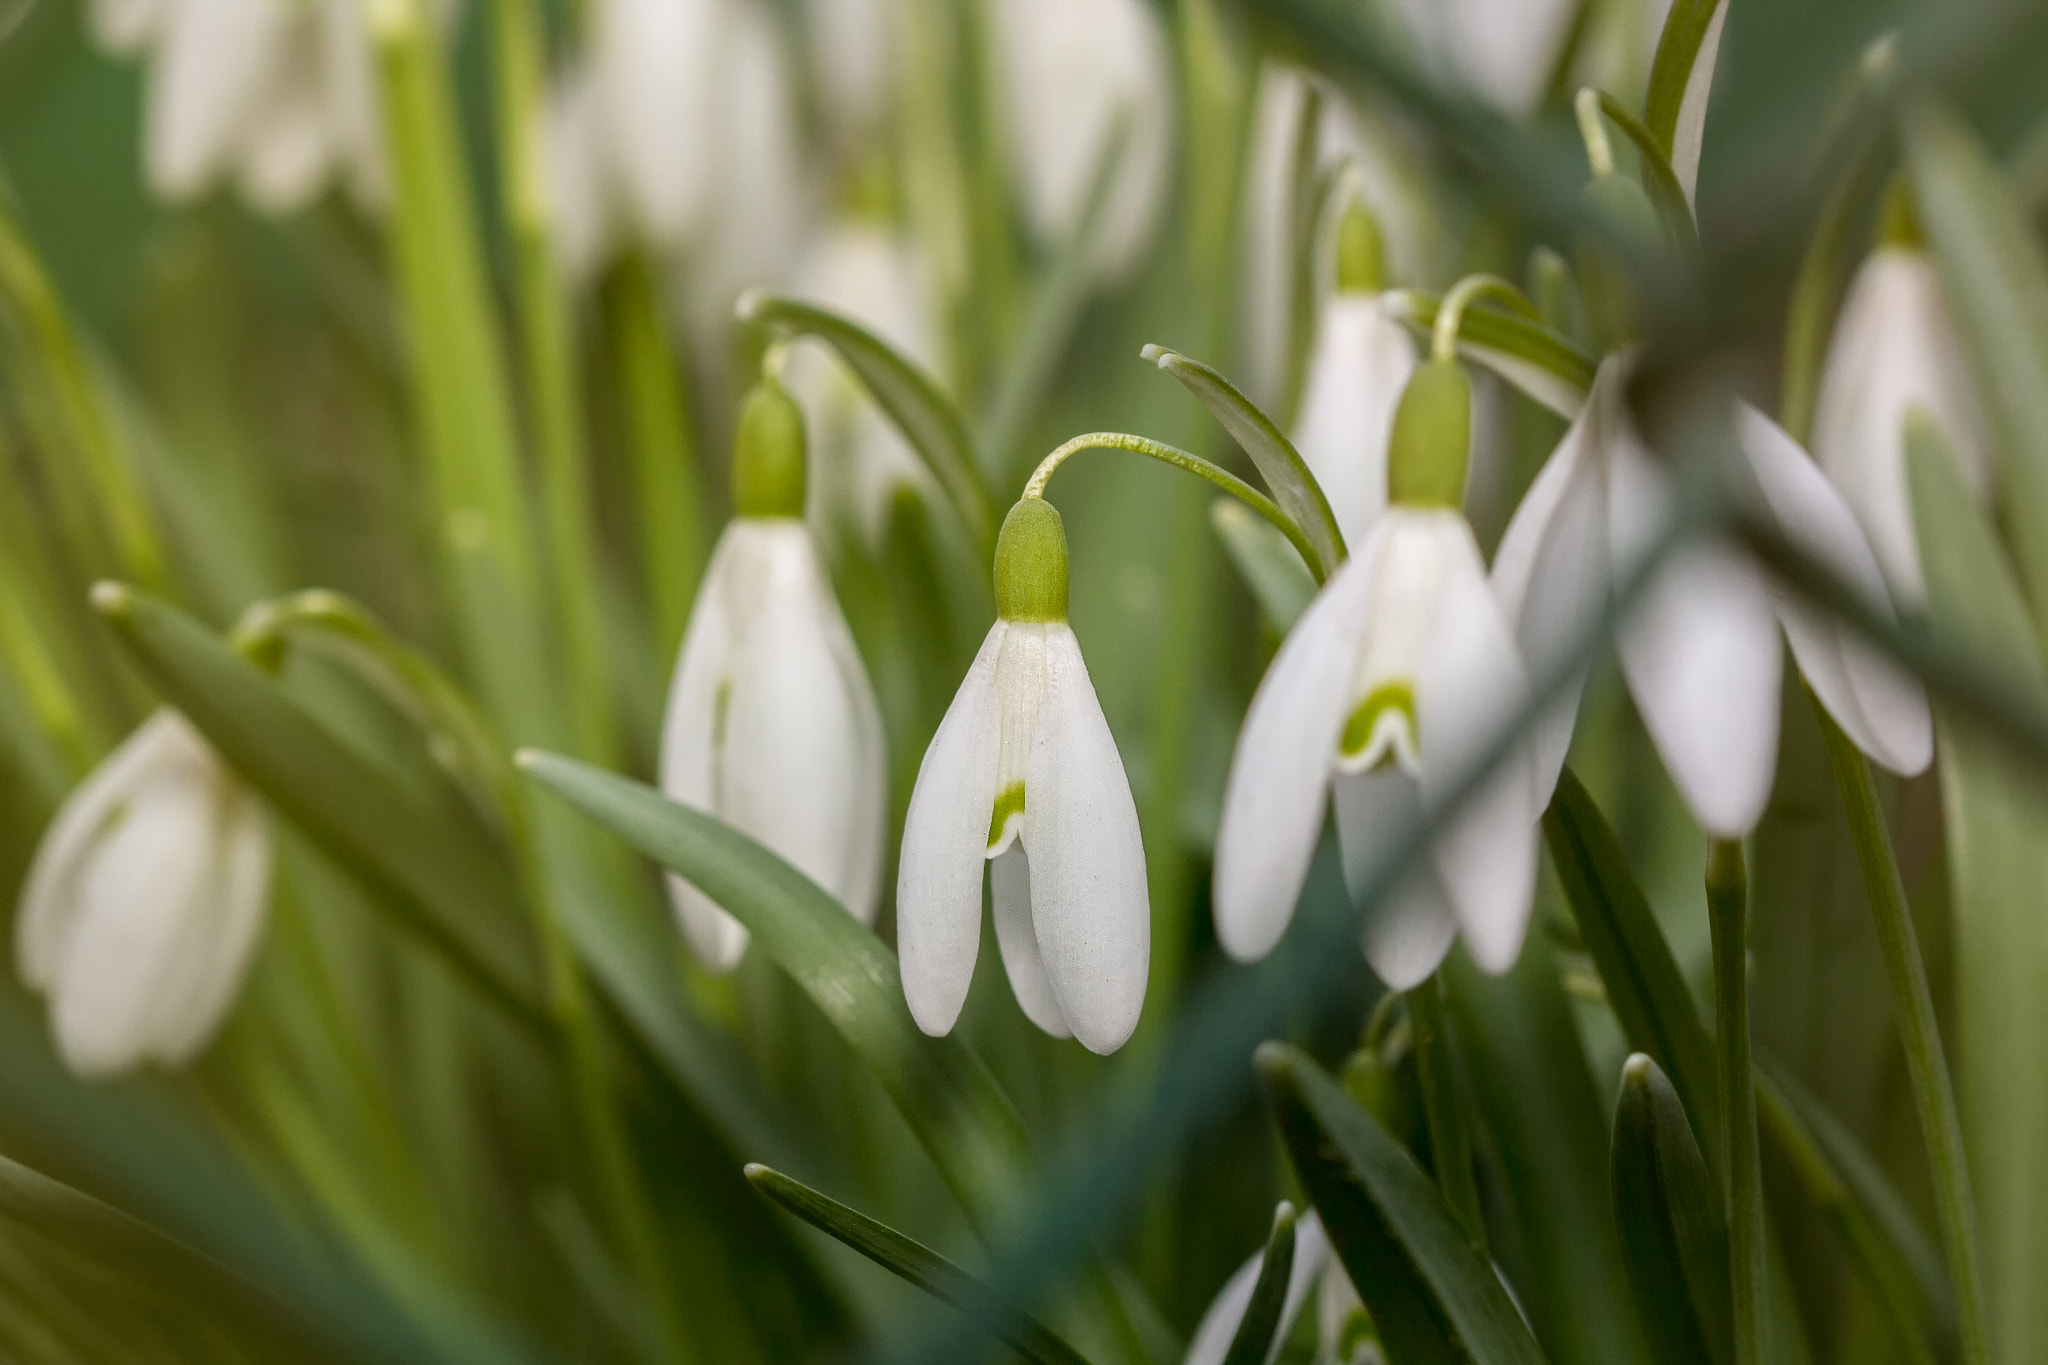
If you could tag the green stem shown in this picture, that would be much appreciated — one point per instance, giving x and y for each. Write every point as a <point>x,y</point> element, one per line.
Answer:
<point>668,489</point>
<point>1913,1004</point>
<point>1179,459</point>
<point>554,398</point>
<point>1450,1144</point>
<point>1450,315</point>
<point>1728,917</point>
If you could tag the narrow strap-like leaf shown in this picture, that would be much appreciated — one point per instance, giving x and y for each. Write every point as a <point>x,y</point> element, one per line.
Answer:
<point>1541,362</point>
<point>1267,562</point>
<point>1644,986</point>
<point>1430,1294</point>
<point>1660,181</point>
<point>911,398</point>
<point>1997,284</point>
<point>1678,52</point>
<point>1674,1237</point>
<point>1253,1342</point>
<point>443,877</point>
<point>920,1265</point>
<point>1279,463</point>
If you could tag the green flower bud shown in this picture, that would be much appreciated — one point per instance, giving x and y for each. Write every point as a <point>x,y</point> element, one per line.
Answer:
<point>768,455</point>
<point>1431,444</point>
<point>1607,274</point>
<point>1031,563</point>
<point>1361,252</point>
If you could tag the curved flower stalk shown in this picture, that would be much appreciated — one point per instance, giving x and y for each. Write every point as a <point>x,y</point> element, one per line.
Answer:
<point>1383,694</point>
<point>277,97</point>
<point>1076,74</point>
<point>875,277</point>
<point>1023,775</point>
<point>1700,653</point>
<point>772,724</point>
<point>1501,50</point>
<point>1895,348</point>
<point>1358,367</point>
<point>145,903</point>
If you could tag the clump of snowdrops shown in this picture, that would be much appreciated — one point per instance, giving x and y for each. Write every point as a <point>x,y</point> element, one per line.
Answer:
<point>1462,587</point>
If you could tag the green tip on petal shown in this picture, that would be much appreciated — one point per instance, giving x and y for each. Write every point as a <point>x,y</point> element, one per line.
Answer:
<point>768,470</point>
<point>1361,252</point>
<point>1431,445</point>
<point>1031,563</point>
<point>1898,220</point>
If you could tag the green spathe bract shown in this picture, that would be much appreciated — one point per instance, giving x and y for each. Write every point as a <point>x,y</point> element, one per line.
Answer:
<point>1431,444</point>
<point>1605,271</point>
<point>768,471</point>
<point>1031,563</point>
<point>1361,252</point>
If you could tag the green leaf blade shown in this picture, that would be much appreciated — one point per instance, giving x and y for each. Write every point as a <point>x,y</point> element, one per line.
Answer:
<point>1673,1234</point>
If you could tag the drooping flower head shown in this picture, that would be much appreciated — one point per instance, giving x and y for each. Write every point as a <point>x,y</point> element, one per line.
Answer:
<point>1385,693</point>
<point>145,902</point>
<point>772,725</point>
<point>1024,777</point>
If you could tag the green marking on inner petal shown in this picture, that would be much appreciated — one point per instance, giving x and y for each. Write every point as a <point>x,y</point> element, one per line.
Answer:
<point>1389,696</point>
<point>1008,803</point>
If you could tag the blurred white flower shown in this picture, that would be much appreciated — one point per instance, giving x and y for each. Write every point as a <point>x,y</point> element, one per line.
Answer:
<point>1700,651</point>
<point>1024,776</point>
<point>772,726</point>
<point>854,54</point>
<point>279,97</point>
<point>1074,74</point>
<point>1211,1343</point>
<point>876,277</point>
<point>1386,689</point>
<point>145,902</point>
<point>1503,51</point>
<point>1895,348</point>
<point>676,131</point>
<point>1357,370</point>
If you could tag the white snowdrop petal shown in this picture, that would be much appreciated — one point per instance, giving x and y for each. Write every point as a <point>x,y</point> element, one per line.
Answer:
<point>1279,775</point>
<point>572,160</point>
<point>1895,348</point>
<point>1690,133</point>
<point>757,213</point>
<point>1407,933</point>
<point>220,949</point>
<point>689,732</point>
<point>1471,688</point>
<point>1225,1314</point>
<point>945,843</point>
<point>1550,576</point>
<point>1880,707</point>
<point>661,68</point>
<point>1703,662</point>
<point>1071,72</point>
<point>1357,369</point>
<point>1502,50</point>
<point>127,27</point>
<point>853,57</point>
<point>289,147</point>
<point>1088,897</point>
<point>1009,893</point>
<point>203,87</point>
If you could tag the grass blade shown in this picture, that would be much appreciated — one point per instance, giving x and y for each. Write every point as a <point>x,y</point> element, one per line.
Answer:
<point>1674,1237</point>
<point>921,1266</point>
<point>1430,1294</point>
<point>1253,1342</point>
<point>1267,562</point>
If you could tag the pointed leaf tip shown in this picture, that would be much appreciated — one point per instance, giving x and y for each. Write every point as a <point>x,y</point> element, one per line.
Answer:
<point>1275,1061</point>
<point>112,599</point>
<point>1156,353</point>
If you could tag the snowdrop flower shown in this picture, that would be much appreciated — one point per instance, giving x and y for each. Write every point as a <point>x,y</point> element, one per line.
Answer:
<point>1024,776</point>
<point>1895,348</point>
<point>658,68</point>
<point>853,61</point>
<point>1357,370</point>
<point>1501,50</point>
<point>1386,691</point>
<point>1211,1343</point>
<point>1700,652</point>
<point>874,276</point>
<point>144,903</point>
<point>277,96</point>
<point>772,725</point>
<point>1073,74</point>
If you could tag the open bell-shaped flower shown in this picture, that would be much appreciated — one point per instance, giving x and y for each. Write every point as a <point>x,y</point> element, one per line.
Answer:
<point>145,902</point>
<point>1895,348</point>
<point>1358,368</point>
<point>1387,690</point>
<point>1024,776</point>
<point>772,725</point>
<point>1700,651</point>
